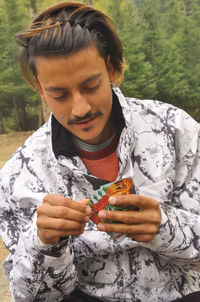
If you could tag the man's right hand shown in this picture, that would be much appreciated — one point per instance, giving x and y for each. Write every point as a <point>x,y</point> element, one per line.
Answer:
<point>60,216</point>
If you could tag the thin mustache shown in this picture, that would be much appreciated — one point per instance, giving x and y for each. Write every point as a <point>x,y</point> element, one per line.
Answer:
<point>88,116</point>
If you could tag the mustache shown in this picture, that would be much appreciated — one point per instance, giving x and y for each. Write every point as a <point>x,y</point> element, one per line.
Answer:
<point>88,116</point>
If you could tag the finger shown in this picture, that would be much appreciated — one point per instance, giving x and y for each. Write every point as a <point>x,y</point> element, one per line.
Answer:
<point>58,224</point>
<point>128,229</point>
<point>142,202</point>
<point>131,217</point>
<point>84,201</point>
<point>58,200</point>
<point>61,212</point>
<point>53,236</point>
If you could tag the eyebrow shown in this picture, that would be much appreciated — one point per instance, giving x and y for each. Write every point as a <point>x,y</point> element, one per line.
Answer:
<point>60,88</point>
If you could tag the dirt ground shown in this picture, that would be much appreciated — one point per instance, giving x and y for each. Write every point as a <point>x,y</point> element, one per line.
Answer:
<point>4,287</point>
<point>9,143</point>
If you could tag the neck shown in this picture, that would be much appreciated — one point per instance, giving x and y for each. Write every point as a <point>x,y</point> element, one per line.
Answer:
<point>92,148</point>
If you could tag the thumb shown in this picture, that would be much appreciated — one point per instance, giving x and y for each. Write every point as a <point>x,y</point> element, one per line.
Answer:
<point>84,201</point>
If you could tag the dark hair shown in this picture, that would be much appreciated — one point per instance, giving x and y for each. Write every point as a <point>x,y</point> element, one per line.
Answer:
<point>65,28</point>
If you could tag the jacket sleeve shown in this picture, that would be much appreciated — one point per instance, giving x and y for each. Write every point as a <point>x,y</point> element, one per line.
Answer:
<point>36,271</point>
<point>179,235</point>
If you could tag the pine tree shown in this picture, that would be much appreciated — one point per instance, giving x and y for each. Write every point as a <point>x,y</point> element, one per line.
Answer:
<point>138,72</point>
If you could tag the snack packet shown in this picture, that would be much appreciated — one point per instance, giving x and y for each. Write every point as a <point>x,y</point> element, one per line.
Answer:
<point>99,201</point>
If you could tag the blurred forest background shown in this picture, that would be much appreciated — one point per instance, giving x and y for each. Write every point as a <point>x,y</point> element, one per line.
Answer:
<point>161,41</point>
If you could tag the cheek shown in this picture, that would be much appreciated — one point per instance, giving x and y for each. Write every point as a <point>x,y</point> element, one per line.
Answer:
<point>58,108</point>
<point>107,107</point>
<point>61,113</point>
<point>105,102</point>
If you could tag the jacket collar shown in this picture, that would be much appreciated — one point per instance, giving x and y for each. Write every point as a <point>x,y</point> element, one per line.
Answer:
<point>62,142</point>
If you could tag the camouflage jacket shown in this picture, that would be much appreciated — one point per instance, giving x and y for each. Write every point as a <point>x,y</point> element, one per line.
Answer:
<point>159,149</point>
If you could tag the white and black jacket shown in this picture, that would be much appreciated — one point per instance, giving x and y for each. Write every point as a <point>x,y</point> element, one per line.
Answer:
<point>159,147</point>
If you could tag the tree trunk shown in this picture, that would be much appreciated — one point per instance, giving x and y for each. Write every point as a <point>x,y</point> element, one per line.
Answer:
<point>90,2</point>
<point>24,119</point>
<point>34,8</point>
<point>2,122</point>
<point>16,114</point>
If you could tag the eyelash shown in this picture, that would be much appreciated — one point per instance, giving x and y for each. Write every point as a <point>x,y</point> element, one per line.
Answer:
<point>60,98</point>
<point>89,89</point>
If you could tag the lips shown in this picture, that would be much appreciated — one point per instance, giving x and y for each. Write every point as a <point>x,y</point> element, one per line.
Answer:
<point>86,123</point>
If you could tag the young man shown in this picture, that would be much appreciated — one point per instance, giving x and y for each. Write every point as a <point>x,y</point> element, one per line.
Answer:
<point>94,136</point>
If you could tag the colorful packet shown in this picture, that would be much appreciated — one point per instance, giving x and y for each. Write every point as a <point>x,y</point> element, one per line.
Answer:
<point>99,201</point>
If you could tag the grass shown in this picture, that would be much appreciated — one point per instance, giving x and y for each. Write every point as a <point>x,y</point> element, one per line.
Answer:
<point>9,143</point>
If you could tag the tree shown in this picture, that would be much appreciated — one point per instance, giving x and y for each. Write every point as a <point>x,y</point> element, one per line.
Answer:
<point>161,47</point>
<point>191,53</point>
<point>138,72</point>
<point>15,95</point>
<point>4,106</point>
<point>34,8</point>
<point>10,73</point>
<point>89,2</point>
<point>166,34</point>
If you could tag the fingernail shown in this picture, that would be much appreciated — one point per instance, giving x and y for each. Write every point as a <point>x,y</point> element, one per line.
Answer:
<point>88,211</point>
<point>87,218</point>
<point>112,200</point>
<point>102,215</point>
<point>101,227</point>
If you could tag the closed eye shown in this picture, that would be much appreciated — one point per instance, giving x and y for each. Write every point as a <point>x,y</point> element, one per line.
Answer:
<point>91,89</point>
<point>60,98</point>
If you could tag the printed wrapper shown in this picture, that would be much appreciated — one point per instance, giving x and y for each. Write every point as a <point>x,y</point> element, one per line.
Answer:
<point>99,201</point>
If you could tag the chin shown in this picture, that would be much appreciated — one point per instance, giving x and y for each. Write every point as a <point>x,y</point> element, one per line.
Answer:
<point>89,135</point>
<point>90,139</point>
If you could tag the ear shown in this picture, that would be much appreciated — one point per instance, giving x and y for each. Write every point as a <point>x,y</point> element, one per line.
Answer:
<point>39,88</point>
<point>111,71</point>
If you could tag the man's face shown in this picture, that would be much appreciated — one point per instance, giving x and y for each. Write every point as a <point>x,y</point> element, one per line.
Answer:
<point>77,90</point>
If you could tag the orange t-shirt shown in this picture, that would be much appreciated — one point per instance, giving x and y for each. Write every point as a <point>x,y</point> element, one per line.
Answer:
<point>105,168</point>
<point>104,163</point>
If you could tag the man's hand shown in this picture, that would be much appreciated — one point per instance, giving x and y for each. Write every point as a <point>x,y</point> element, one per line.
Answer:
<point>59,216</point>
<point>140,225</point>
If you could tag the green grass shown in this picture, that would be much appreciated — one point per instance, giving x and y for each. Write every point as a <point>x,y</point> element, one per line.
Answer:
<point>9,143</point>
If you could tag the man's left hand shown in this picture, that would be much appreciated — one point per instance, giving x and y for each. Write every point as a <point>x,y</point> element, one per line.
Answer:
<point>140,225</point>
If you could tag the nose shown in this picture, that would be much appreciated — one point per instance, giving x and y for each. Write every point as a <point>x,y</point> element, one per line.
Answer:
<point>80,105</point>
